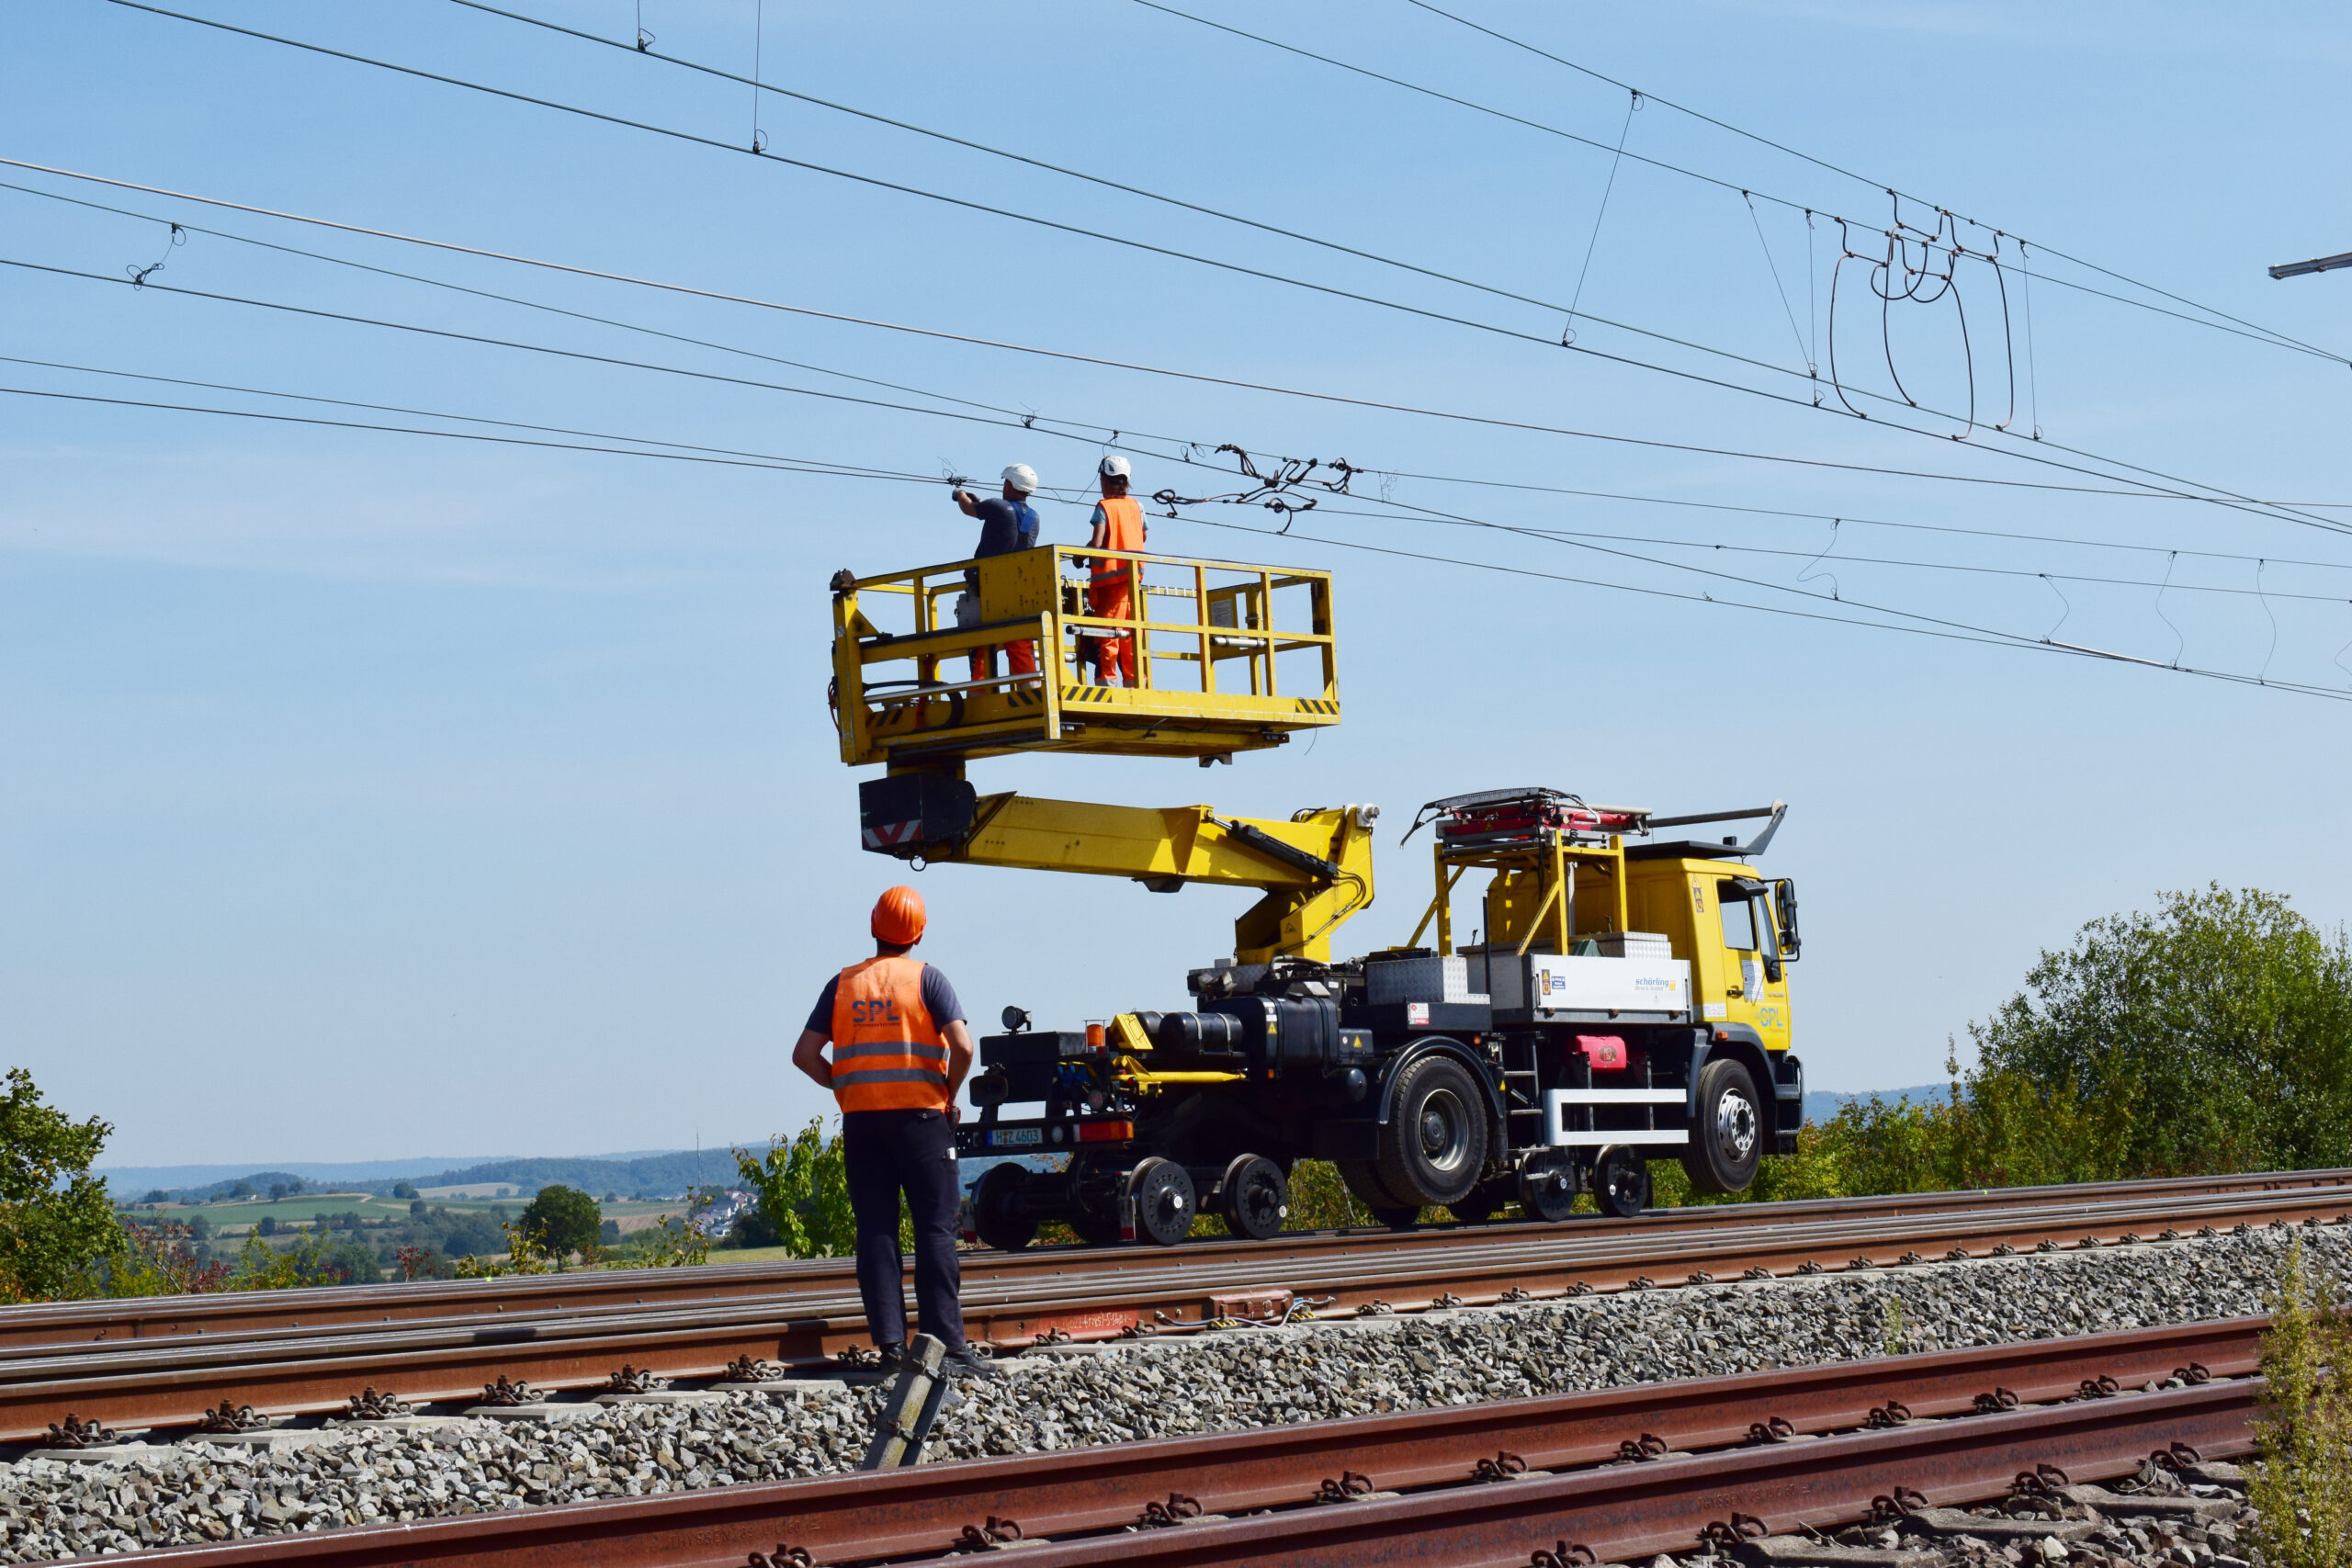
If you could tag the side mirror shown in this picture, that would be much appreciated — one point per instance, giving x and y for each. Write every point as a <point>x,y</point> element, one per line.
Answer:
<point>1785,904</point>
<point>1015,1019</point>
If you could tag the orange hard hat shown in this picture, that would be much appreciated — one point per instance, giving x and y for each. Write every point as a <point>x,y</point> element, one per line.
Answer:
<point>899,916</point>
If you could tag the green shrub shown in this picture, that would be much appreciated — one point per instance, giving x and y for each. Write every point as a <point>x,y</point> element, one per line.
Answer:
<point>2302,1488</point>
<point>56,1224</point>
<point>802,1191</point>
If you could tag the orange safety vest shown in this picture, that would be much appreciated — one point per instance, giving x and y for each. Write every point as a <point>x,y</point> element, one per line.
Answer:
<point>1123,517</point>
<point>887,1053</point>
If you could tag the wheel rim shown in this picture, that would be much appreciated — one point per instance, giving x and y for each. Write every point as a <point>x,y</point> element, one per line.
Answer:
<point>1445,1131</point>
<point>1164,1206</point>
<point>1623,1180</point>
<point>1736,1127</point>
<point>1261,1201</point>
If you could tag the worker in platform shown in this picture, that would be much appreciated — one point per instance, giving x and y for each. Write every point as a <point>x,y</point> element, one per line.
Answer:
<point>900,1050</point>
<point>1007,523</point>
<point>1117,526</point>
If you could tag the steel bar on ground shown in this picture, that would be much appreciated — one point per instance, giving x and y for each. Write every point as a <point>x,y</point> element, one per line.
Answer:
<point>1444,1517</point>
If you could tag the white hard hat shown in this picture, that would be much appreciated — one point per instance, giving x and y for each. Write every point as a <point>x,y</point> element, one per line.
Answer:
<point>1114,468</point>
<point>1022,478</point>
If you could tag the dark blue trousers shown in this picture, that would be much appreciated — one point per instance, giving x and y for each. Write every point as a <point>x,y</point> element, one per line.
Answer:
<point>888,1153</point>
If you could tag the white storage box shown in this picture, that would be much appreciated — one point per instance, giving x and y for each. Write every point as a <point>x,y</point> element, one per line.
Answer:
<point>1544,983</point>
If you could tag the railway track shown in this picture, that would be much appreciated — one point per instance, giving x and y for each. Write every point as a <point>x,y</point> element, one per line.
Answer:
<point>1477,1486</point>
<point>172,1379</point>
<point>114,1322</point>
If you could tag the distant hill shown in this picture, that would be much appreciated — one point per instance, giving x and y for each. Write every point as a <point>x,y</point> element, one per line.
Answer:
<point>658,1173</point>
<point>1821,1105</point>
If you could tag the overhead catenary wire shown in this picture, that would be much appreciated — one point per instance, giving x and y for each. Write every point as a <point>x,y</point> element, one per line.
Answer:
<point>1953,631</point>
<point>1141,367</point>
<point>1986,638</point>
<point>1136,365</point>
<point>1567,337</point>
<point>1093,432</point>
<point>2281,339</point>
<point>2220,495</point>
<point>543,306</point>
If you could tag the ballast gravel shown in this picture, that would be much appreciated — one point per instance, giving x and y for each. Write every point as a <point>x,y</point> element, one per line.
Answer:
<point>1157,1386</point>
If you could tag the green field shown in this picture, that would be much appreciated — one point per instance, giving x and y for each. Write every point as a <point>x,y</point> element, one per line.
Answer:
<point>234,1216</point>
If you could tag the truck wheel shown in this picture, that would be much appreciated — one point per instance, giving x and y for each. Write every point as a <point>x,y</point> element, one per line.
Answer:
<point>1364,1181</point>
<point>1478,1208</point>
<point>1726,1129</point>
<point>1435,1142</point>
<point>1161,1191</point>
<point>1404,1219</point>
<point>996,1211</point>
<point>1255,1197</point>
<point>1621,1181</point>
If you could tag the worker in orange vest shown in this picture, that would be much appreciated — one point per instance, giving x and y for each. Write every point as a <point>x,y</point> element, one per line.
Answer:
<point>1117,526</point>
<point>900,1050</point>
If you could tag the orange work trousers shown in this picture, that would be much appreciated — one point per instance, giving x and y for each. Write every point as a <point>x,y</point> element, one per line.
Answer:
<point>1020,658</point>
<point>1113,601</point>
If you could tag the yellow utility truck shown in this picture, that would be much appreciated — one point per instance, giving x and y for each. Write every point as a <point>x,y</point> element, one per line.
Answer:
<point>1626,997</point>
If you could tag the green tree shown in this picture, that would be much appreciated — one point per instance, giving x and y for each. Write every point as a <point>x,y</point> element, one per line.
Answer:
<point>563,1220</point>
<point>404,1190</point>
<point>55,1220</point>
<point>2214,1034</point>
<point>803,1192</point>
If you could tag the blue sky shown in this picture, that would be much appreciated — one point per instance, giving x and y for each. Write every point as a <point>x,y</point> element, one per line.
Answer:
<point>364,795</point>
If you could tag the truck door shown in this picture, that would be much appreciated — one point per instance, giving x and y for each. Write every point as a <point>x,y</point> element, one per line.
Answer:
<point>1754,978</point>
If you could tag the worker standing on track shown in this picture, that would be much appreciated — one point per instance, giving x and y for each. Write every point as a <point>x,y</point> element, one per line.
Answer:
<point>900,1050</point>
<point>1117,526</point>
<point>1007,523</point>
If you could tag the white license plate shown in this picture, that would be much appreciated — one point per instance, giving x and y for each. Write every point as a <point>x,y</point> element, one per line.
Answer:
<point>1007,1137</point>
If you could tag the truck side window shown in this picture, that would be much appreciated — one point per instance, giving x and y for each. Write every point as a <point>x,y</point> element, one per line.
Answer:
<point>1739,917</point>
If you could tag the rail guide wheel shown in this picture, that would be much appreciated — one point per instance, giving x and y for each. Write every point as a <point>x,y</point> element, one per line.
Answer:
<point>1254,1197</point>
<point>1621,1181</point>
<point>1161,1191</point>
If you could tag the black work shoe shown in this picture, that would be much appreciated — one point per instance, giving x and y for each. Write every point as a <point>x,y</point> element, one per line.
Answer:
<point>891,1355</point>
<point>965,1363</point>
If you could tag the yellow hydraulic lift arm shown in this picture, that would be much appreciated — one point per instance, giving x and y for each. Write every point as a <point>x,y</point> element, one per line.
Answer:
<point>1314,870</point>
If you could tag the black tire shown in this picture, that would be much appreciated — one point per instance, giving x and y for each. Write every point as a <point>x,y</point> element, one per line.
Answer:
<point>1434,1146</point>
<point>1364,1181</point>
<point>1254,1197</point>
<point>1547,1189</point>
<point>1397,1219</point>
<point>1621,1181</point>
<point>1729,1130</point>
<point>997,1214</point>
<point>1161,1191</point>
<point>1478,1208</point>
<point>1097,1190</point>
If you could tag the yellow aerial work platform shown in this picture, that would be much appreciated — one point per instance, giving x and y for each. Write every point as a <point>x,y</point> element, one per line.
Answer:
<point>1228,658</point>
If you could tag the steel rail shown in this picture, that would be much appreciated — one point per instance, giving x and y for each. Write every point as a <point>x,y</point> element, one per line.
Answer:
<point>1825,1473</point>
<point>161,1383</point>
<point>57,1323</point>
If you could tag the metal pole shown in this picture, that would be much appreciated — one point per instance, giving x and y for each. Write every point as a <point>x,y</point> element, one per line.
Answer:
<point>2324,263</point>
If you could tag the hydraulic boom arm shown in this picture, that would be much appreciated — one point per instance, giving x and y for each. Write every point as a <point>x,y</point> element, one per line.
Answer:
<point>1315,870</point>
